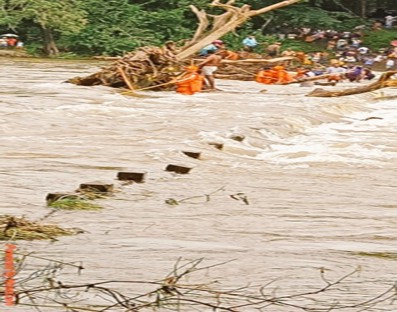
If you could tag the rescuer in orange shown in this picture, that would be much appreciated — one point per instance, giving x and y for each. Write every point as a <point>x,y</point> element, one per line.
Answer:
<point>281,75</point>
<point>266,76</point>
<point>191,82</point>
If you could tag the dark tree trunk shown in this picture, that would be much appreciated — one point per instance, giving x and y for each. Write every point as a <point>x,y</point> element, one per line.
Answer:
<point>363,8</point>
<point>49,45</point>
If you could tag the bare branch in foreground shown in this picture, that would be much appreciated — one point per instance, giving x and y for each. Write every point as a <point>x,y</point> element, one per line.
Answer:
<point>44,288</point>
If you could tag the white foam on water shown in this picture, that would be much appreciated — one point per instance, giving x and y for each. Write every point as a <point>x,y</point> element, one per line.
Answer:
<point>365,137</point>
<point>99,109</point>
<point>354,140</point>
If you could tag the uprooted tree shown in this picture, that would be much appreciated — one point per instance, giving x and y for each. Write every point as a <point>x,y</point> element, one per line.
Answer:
<point>155,66</point>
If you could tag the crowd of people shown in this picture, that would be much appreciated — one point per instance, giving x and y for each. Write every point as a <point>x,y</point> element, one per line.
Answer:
<point>344,56</point>
<point>336,69</point>
<point>333,73</point>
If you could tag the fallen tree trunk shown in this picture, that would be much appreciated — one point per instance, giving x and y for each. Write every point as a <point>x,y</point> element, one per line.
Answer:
<point>309,79</point>
<point>325,76</point>
<point>224,23</point>
<point>260,60</point>
<point>383,82</point>
<point>243,77</point>
<point>106,58</point>
<point>246,69</point>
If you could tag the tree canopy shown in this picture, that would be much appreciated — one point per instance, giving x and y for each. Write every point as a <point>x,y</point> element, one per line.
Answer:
<point>112,27</point>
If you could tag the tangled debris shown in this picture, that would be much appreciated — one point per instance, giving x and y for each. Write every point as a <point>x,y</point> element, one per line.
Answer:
<point>20,228</point>
<point>142,68</point>
<point>156,68</point>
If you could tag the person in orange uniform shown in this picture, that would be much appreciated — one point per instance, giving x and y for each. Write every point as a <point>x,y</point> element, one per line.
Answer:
<point>281,75</point>
<point>191,82</point>
<point>275,75</point>
<point>266,76</point>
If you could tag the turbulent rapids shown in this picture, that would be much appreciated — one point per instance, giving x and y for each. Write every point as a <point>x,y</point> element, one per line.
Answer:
<point>285,184</point>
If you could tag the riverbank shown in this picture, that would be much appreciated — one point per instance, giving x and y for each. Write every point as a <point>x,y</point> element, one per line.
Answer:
<point>14,53</point>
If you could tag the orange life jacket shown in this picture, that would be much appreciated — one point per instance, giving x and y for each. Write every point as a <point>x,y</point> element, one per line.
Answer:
<point>265,76</point>
<point>283,77</point>
<point>197,83</point>
<point>190,83</point>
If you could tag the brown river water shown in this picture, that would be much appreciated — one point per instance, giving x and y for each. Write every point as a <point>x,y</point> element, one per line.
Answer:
<point>318,178</point>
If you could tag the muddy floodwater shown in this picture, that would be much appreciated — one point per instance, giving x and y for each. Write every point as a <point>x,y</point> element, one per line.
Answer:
<point>300,183</point>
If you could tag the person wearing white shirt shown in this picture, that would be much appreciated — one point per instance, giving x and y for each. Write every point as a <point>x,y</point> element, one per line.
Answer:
<point>363,50</point>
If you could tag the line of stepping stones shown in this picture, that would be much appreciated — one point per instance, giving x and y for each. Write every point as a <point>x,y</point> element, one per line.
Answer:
<point>137,177</point>
<point>103,188</point>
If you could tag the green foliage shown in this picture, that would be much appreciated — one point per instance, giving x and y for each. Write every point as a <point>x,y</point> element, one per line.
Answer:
<point>34,49</point>
<point>315,17</point>
<point>50,17</point>
<point>62,15</point>
<point>234,39</point>
<point>376,40</point>
<point>153,5</point>
<point>299,45</point>
<point>113,27</point>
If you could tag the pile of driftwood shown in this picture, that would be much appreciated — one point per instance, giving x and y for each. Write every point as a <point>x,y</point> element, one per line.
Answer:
<point>156,68</point>
<point>247,68</point>
<point>147,66</point>
<point>20,228</point>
